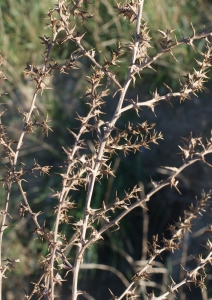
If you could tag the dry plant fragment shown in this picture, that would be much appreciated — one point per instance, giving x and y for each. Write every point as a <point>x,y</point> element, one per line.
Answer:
<point>83,168</point>
<point>129,10</point>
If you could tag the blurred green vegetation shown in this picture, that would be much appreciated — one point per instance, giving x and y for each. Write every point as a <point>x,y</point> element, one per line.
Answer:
<point>21,23</point>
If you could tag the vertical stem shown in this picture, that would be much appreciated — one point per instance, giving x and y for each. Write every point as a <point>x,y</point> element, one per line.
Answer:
<point>2,228</point>
<point>14,159</point>
<point>93,174</point>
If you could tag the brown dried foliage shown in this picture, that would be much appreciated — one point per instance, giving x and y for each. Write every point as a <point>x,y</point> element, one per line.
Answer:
<point>83,169</point>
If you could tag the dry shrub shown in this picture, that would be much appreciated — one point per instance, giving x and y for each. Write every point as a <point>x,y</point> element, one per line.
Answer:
<point>88,163</point>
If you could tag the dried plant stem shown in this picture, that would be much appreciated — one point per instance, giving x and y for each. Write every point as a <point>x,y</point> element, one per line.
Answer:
<point>188,41</point>
<point>93,175</point>
<point>2,228</point>
<point>13,157</point>
<point>34,291</point>
<point>84,166</point>
<point>32,106</point>
<point>169,181</point>
<point>34,216</point>
<point>187,279</point>
<point>109,74</point>
<point>20,141</point>
<point>63,195</point>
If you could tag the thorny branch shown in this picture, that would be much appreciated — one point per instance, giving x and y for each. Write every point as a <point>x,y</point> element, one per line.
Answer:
<point>83,169</point>
<point>177,232</point>
<point>100,155</point>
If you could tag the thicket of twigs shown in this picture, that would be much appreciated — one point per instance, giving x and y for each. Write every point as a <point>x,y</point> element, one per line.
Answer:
<point>101,135</point>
